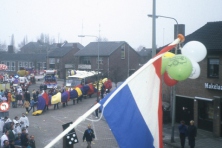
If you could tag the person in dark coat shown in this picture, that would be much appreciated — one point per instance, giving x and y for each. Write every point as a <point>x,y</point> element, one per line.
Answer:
<point>183,132</point>
<point>32,142</point>
<point>192,133</point>
<point>89,136</point>
<point>27,96</point>
<point>24,138</point>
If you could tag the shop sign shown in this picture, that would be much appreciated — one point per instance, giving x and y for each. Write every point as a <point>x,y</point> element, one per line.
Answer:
<point>84,66</point>
<point>69,66</point>
<point>213,86</point>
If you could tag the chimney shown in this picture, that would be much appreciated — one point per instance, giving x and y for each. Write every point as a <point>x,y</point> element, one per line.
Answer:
<point>10,49</point>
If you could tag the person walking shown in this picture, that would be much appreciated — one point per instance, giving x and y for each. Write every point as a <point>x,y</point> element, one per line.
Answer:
<point>89,136</point>
<point>27,96</point>
<point>32,105</point>
<point>192,133</point>
<point>26,105</point>
<point>19,99</point>
<point>97,110</point>
<point>183,133</point>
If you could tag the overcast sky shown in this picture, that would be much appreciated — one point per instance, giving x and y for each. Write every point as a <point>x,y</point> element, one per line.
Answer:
<point>115,20</point>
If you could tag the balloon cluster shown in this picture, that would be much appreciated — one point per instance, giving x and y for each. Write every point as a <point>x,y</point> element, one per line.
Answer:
<point>182,66</point>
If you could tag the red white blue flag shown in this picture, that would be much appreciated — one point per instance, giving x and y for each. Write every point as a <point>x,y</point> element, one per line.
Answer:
<point>134,110</point>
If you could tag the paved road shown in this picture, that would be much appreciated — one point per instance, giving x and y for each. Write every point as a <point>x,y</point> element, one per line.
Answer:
<point>47,126</point>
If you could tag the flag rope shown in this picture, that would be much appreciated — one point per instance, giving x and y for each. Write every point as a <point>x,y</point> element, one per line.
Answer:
<point>96,106</point>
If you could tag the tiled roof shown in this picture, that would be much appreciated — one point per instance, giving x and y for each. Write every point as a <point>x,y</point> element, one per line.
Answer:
<point>210,35</point>
<point>22,57</point>
<point>32,47</point>
<point>105,48</point>
<point>60,52</point>
<point>66,48</point>
<point>78,45</point>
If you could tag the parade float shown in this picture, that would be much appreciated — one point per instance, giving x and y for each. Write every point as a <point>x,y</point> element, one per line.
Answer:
<point>50,78</point>
<point>21,79</point>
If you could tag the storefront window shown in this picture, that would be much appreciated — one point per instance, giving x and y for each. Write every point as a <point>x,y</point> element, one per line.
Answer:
<point>206,110</point>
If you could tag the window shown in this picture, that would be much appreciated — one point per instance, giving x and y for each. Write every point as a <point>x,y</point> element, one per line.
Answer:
<point>51,60</point>
<point>100,60</point>
<point>213,67</point>
<point>12,66</point>
<point>123,52</point>
<point>85,60</point>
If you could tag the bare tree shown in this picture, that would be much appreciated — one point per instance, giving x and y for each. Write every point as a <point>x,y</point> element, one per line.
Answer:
<point>140,48</point>
<point>3,46</point>
<point>23,42</point>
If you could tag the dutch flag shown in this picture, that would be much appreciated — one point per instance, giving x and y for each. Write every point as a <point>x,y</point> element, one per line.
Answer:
<point>134,110</point>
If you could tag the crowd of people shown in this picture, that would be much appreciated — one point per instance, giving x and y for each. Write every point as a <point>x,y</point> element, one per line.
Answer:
<point>15,132</point>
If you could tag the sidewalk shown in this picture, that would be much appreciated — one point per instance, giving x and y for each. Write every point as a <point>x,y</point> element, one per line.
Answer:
<point>204,139</point>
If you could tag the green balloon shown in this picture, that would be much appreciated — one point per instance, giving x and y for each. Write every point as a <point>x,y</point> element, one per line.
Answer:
<point>164,63</point>
<point>179,67</point>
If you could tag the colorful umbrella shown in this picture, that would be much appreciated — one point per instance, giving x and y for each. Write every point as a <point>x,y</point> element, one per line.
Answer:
<point>3,67</point>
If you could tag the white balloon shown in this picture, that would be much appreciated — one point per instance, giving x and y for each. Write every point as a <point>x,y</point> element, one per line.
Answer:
<point>194,50</point>
<point>195,70</point>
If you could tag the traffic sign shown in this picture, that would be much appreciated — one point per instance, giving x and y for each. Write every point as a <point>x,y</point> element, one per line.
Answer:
<point>4,106</point>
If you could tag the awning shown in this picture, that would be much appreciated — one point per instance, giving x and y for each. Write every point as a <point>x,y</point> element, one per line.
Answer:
<point>205,99</point>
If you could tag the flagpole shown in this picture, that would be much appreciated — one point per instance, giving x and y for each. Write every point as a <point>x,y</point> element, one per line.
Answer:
<point>96,106</point>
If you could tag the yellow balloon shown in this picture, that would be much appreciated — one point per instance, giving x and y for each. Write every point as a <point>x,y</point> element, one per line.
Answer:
<point>169,55</point>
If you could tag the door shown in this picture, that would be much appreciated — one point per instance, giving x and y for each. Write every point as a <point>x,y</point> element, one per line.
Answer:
<point>184,109</point>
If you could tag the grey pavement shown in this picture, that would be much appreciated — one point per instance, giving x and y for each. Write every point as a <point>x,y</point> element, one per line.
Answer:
<point>204,138</point>
<point>47,126</point>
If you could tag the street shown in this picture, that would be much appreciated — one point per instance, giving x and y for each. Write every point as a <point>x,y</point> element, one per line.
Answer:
<point>47,126</point>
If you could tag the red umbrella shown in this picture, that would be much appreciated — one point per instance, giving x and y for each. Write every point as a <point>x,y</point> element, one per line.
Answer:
<point>3,67</point>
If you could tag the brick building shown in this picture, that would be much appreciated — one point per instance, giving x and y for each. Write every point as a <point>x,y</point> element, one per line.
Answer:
<point>62,56</point>
<point>117,60</point>
<point>201,99</point>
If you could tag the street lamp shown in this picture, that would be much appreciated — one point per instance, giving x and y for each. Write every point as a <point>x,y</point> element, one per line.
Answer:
<point>173,89</point>
<point>97,61</point>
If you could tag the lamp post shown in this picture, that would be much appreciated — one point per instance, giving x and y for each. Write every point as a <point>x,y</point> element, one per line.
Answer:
<point>97,60</point>
<point>173,89</point>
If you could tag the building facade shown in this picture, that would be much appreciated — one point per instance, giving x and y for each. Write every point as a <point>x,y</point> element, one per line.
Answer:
<point>115,60</point>
<point>62,56</point>
<point>201,99</point>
